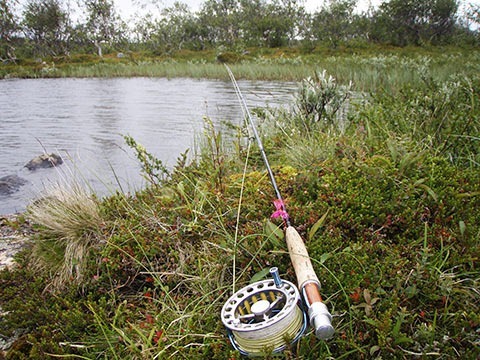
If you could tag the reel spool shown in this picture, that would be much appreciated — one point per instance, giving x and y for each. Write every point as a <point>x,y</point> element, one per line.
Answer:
<point>264,317</point>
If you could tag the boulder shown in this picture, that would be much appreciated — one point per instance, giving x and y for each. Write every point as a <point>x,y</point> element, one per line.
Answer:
<point>10,183</point>
<point>44,161</point>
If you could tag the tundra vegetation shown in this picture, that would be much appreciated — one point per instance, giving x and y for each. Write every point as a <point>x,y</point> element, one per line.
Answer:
<point>383,186</point>
<point>378,161</point>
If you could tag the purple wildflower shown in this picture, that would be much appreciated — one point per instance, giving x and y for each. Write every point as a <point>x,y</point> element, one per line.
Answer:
<point>279,210</point>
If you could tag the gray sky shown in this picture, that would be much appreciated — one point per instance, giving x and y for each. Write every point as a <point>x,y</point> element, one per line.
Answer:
<point>127,7</point>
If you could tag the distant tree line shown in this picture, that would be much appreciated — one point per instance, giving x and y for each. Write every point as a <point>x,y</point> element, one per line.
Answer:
<point>39,28</point>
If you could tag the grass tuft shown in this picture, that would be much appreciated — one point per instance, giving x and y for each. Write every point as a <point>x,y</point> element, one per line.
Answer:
<point>69,229</point>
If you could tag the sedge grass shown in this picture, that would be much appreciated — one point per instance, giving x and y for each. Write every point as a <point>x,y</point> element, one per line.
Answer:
<point>70,223</point>
<point>191,293</point>
<point>368,71</point>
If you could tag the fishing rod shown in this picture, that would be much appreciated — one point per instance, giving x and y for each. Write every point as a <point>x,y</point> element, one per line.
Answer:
<point>258,311</point>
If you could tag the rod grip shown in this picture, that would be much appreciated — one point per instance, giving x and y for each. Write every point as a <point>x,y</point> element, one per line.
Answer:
<point>300,258</point>
<point>308,283</point>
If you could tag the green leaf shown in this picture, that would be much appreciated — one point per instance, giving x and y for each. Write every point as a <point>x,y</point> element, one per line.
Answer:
<point>402,340</point>
<point>324,257</point>
<point>371,322</point>
<point>317,225</point>
<point>411,291</point>
<point>274,233</point>
<point>462,226</point>
<point>374,349</point>
<point>429,191</point>
<point>397,326</point>
<point>260,275</point>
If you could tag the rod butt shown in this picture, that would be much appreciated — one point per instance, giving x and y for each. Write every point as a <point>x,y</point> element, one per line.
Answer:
<point>321,320</point>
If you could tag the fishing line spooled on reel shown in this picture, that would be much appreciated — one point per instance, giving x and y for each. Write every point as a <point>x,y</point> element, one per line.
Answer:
<point>269,315</point>
<point>265,315</point>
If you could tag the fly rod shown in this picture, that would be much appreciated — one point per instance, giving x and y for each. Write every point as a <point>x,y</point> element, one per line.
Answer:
<point>307,280</point>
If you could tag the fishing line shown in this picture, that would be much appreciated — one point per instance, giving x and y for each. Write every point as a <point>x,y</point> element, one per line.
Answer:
<point>235,241</point>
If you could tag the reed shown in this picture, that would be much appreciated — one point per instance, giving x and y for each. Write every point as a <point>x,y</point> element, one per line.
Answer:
<point>368,71</point>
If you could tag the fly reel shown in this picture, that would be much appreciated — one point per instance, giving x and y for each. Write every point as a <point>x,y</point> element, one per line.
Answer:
<point>265,316</point>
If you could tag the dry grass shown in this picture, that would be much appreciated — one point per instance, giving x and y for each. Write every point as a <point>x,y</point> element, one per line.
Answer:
<point>69,226</point>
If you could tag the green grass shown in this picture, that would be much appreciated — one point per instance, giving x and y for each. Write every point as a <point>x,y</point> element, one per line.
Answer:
<point>386,196</point>
<point>369,69</point>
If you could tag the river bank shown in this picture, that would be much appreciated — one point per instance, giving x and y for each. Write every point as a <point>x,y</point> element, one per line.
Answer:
<point>387,202</point>
<point>371,69</point>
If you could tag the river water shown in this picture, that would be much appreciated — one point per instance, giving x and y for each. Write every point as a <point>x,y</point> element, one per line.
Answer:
<point>84,120</point>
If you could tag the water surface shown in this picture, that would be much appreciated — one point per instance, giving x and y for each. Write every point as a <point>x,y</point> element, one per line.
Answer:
<point>84,120</point>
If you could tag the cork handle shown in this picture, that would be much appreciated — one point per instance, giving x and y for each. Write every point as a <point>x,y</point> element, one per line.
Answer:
<point>320,317</point>
<point>300,258</point>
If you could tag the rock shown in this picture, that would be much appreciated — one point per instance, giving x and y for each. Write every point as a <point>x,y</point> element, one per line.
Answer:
<point>44,161</point>
<point>7,342</point>
<point>10,183</point>
<point>14,236</point>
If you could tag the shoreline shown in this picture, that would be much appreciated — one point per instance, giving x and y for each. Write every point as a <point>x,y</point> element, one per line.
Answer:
<point>14,236</point>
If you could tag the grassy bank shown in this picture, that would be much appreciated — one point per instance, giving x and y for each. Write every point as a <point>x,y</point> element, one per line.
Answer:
<point>393,176</point>
<point>369,69</point>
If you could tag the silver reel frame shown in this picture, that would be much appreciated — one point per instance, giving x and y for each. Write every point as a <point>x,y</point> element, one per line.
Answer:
<point>265,316</point>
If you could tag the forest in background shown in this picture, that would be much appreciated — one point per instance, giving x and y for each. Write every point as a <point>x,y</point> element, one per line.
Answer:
<point>50,28</point>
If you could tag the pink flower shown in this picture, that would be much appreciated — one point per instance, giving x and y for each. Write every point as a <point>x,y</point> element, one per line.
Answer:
<point>279,210</point>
